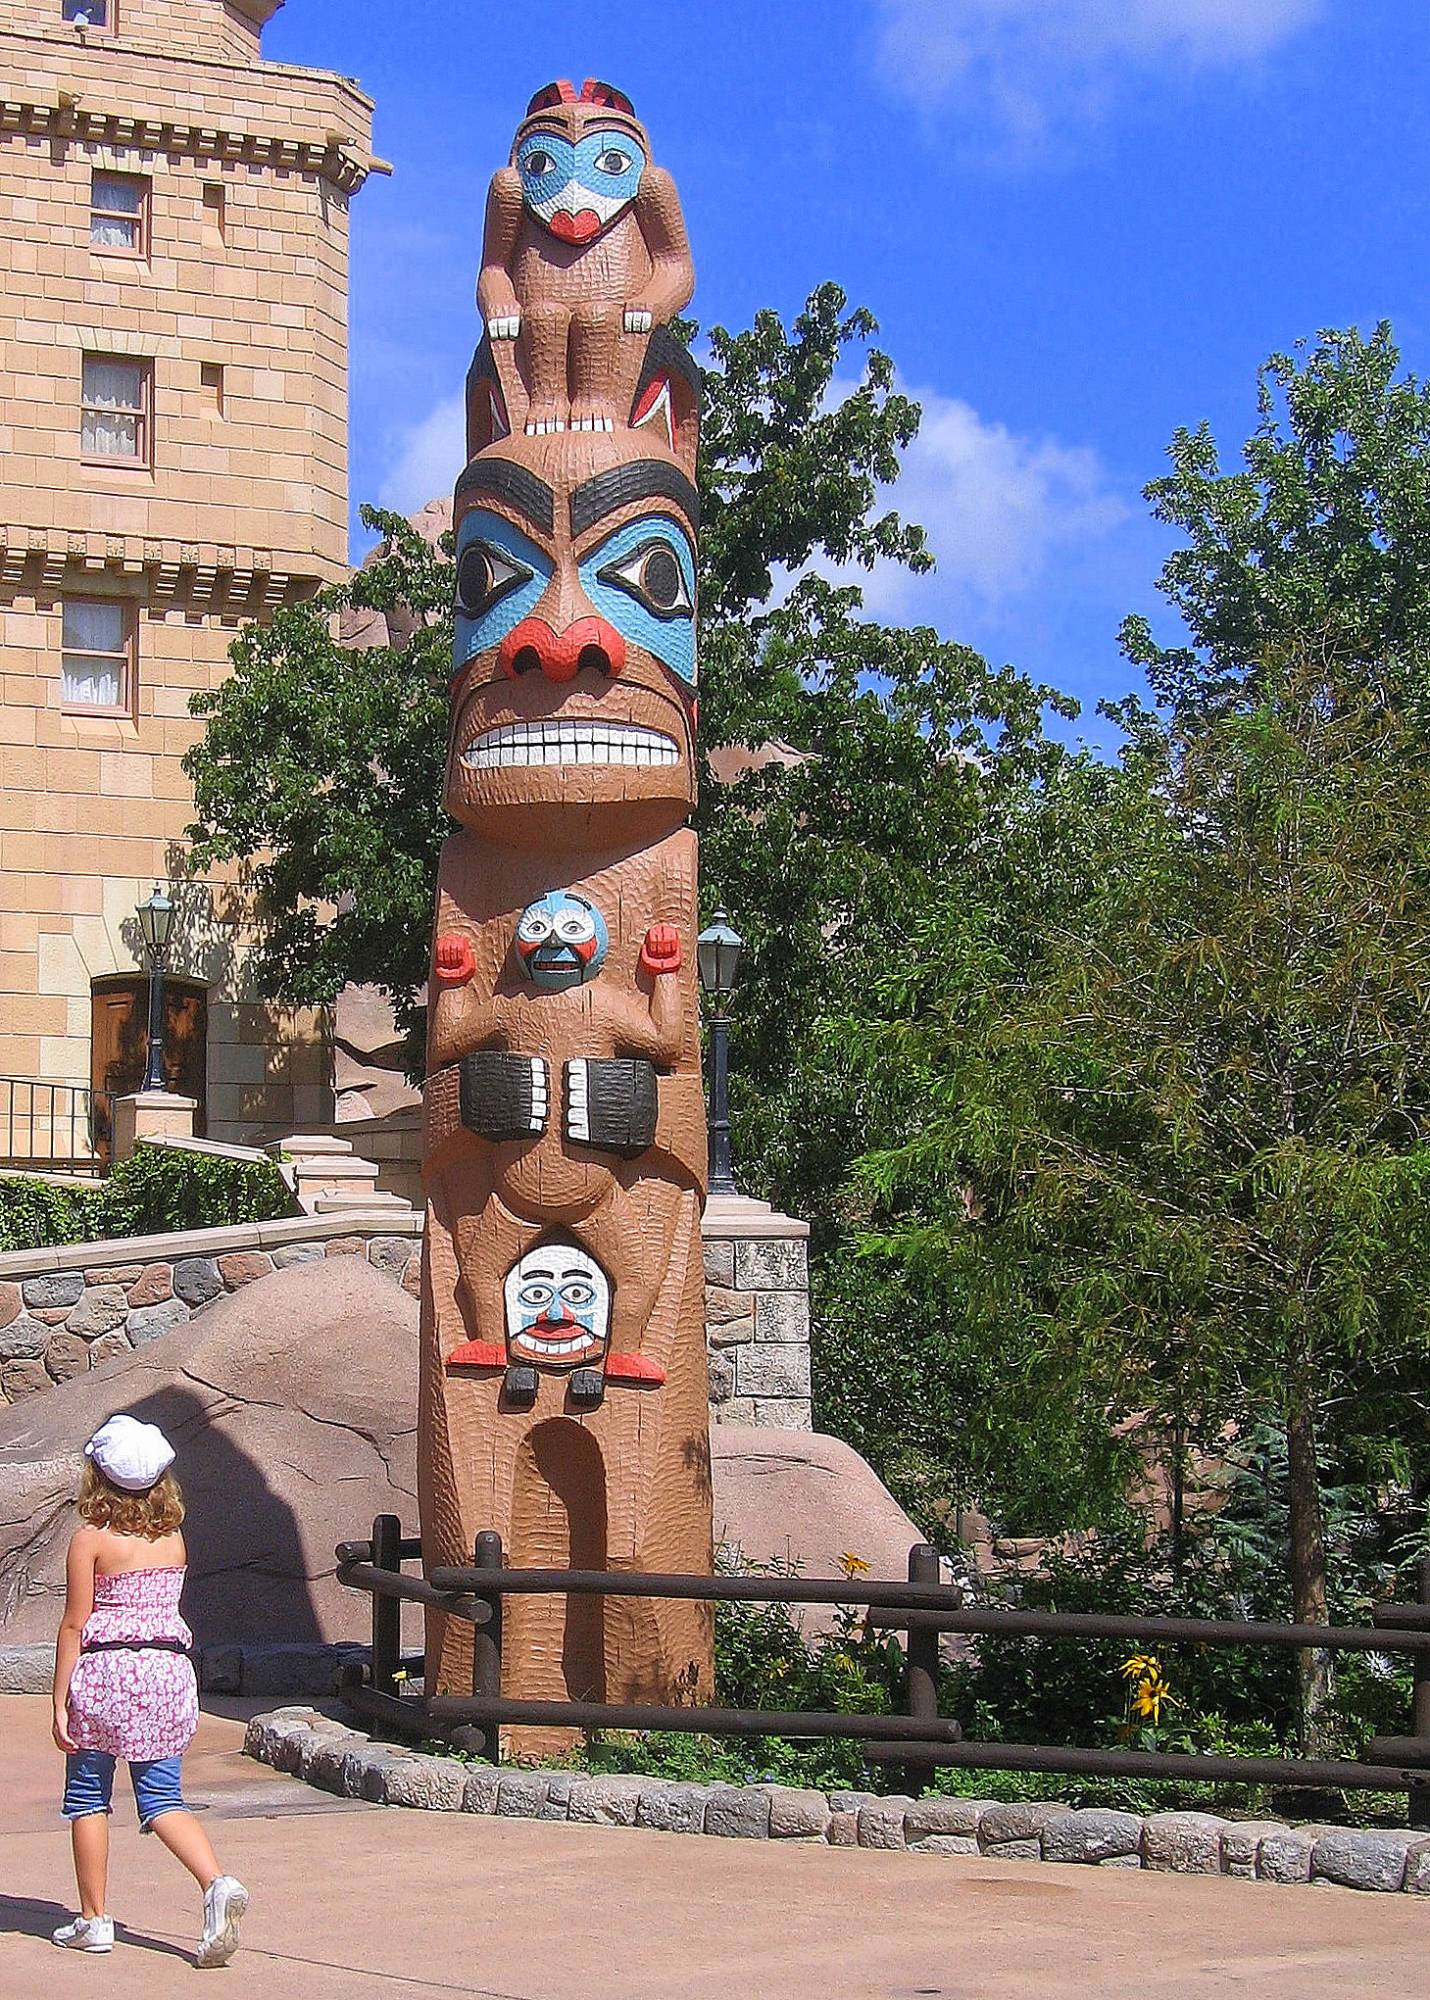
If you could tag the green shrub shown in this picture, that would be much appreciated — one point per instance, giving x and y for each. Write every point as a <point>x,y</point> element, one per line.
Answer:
<point>163,1188</point>
<point>36,1216</point>
<point>157,1190</point>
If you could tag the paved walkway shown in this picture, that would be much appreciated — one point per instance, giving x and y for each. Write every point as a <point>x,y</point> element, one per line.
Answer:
<point>352,1900</point>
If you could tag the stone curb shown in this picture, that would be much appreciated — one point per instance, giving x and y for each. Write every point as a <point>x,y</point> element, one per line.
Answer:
<point>339,1759</point>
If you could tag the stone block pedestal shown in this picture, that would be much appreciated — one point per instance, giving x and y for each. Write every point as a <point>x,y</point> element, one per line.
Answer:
<point>151,1114</point>
<point>757,1314</point>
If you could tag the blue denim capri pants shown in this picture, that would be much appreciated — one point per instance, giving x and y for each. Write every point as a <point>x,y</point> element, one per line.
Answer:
<point>89,1786</point>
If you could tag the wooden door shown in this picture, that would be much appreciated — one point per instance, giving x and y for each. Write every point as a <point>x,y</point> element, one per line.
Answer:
<point>119,1043</point>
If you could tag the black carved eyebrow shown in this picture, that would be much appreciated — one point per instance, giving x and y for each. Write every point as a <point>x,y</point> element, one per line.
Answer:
<point>514,484</point>
<point>642,479</point>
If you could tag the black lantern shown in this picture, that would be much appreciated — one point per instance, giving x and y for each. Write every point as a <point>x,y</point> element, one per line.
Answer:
<point>156,921</point>
<point>718,951</point>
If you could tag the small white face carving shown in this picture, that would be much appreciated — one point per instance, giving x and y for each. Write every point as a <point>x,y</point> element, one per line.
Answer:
<point>558,1308</point>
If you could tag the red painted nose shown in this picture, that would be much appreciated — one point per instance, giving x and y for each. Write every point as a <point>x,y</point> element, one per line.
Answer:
<point>589,642</point>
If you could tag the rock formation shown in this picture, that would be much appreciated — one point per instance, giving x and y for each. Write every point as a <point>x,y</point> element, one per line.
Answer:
<point>291,1403</point>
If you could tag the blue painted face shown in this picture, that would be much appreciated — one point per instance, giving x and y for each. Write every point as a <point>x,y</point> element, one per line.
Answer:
<point>641,579</point>
<point>577,189</point>
<point>501,575</point>
<point>561,941</point>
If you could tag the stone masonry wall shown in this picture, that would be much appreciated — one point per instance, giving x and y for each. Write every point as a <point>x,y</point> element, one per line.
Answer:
<point>58,1320</point>
<point>63,1311</point>
<point>757,1331</point>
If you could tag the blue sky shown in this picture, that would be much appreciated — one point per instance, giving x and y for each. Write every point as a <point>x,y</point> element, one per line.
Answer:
<point>1079,223</point>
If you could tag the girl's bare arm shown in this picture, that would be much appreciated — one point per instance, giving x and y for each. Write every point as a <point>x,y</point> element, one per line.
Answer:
<point>79,1602</point>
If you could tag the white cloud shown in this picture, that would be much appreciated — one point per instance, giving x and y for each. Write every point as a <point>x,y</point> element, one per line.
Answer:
<point>428,457</point>
<point>1000,509</point>
<point>1027,66</point>
<point>1003,511</point>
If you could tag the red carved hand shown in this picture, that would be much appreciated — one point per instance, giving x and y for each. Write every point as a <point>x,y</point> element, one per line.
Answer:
<point>661,950</point>
<point>453,961</point>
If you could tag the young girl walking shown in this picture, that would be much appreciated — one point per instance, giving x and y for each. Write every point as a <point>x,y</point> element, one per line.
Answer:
<point>124,1680</point>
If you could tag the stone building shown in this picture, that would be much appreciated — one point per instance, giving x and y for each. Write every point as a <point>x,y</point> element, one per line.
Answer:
<point>173,462</point>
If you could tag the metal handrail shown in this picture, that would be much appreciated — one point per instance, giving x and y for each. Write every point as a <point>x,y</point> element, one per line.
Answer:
<point>54,1127</point>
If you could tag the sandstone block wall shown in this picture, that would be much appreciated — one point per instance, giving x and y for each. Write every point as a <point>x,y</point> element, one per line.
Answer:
<point>237,311</point>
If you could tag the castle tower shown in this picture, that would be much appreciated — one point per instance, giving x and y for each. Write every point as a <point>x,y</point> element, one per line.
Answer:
<point>173,463</point>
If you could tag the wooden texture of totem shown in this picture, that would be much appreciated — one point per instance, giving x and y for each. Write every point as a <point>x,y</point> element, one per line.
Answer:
<point>564,1397</point>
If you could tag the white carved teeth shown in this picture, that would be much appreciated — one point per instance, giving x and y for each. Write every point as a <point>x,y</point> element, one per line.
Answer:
<point>523,744</point>
<point>555,1347</point>
<point>578,1107</point>
<point>546,426</point>
<point>539,1105</point>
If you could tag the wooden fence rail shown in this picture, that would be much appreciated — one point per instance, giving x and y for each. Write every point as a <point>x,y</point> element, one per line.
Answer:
<point>921,1606</point>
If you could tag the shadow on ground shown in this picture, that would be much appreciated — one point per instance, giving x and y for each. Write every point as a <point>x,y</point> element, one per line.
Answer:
<point>32,1916</point>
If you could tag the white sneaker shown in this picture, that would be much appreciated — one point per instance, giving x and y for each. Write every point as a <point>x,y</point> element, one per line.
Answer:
<point>85,1934</point>
<point>225,1901</point>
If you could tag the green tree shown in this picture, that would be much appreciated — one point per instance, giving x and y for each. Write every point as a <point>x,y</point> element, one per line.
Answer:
<point>1174,1153</point>
<point>1325,528</point>
<point>320,772</point>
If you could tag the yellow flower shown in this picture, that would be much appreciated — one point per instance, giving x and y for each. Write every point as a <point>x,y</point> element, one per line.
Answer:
<point>400,1675</point>
<point>1149,1692</point>
<point>853,1565</point>
<point>1140,1667</point>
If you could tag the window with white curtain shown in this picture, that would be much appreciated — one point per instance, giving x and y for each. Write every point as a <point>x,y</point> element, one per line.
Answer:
<point>119,213</point>
<point>115,398</point>
<point>97,651</point>
<point>88,13</point>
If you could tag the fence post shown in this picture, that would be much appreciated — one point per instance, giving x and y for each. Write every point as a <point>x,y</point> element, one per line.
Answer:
<point>386,1611</point>
<point>921,1683</point>
<point>486,1638</point>
<point>1419,1814</point>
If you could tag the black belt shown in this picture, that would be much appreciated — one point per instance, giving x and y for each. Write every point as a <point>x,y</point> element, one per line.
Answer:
<point>137,1646</point>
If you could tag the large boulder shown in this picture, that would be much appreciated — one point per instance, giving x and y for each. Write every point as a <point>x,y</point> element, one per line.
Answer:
<point>803,1501</point>
<point>292,1405</point>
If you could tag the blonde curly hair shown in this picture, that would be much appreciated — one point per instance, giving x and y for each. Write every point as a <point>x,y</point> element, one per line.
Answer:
<point>152,1514</point>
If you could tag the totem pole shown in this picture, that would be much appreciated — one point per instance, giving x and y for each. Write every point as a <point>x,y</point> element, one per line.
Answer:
<point>564,1394</point>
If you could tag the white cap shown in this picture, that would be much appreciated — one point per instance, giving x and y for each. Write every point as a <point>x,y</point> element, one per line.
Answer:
<point>130,1454</point>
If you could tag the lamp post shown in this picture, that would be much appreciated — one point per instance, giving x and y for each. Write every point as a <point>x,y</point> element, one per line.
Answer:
<point>718,951</point>
<point>156,919</point>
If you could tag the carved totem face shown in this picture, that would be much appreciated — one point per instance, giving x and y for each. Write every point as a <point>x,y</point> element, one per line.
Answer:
<point>561,941</point>
<point>558,1308</point>
<point>575,669</point>
<point>580,160</point>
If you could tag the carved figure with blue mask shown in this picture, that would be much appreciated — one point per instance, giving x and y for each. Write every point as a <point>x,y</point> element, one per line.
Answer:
<point>555,316</point>
<point>636,581</point>
<point>561,941</point>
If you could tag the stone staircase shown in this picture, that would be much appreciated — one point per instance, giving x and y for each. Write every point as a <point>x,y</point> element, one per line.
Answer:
<point>330,1179</point>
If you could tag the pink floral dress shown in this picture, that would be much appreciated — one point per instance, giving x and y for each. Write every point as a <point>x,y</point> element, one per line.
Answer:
<point>135,1704</point>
